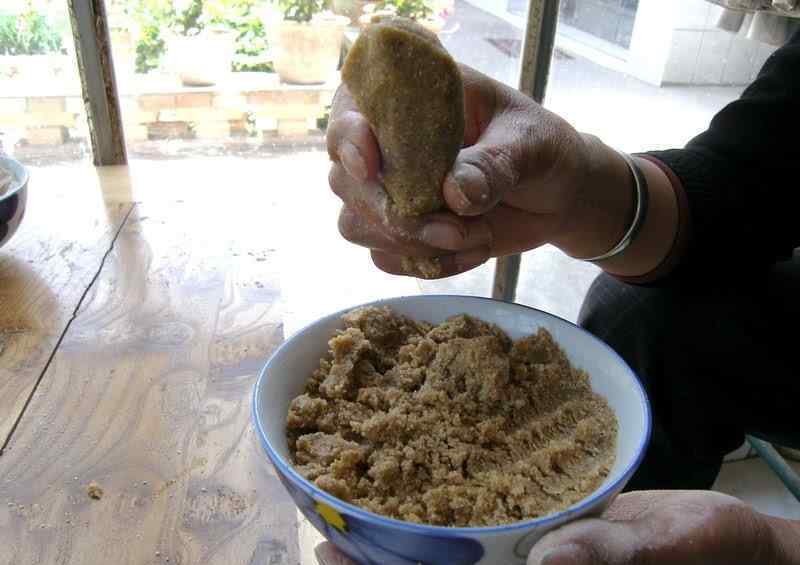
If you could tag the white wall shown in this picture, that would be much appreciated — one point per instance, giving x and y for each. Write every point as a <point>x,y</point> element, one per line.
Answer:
<point>677,42</point>
<point>673,42</point>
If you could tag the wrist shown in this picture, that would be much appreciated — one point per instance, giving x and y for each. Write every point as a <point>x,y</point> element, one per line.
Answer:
<point>603,205</point>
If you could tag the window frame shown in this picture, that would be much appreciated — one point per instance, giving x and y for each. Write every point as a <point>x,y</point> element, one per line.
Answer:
<point>101,96</point>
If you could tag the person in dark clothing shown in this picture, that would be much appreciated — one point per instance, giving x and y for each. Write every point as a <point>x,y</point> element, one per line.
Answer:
<point>699,291</point>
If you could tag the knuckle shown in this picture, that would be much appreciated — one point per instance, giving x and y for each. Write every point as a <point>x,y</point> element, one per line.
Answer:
<point>348,226</point>
<point>499,167</point>
<point>338,181</point>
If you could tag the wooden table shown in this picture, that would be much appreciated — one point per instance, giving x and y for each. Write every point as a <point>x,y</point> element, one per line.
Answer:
<point>136,308</point>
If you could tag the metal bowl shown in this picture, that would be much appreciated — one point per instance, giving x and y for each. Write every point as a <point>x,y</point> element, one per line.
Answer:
<point>13,197</point>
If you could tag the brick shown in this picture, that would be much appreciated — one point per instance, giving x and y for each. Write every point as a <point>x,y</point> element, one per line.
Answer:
<point>141,117</point>
<point>290,128</point>
<point>157,102</point>
<point>45,136</point>
<point>168,130</point>
<point>207,114</point>
<point>239,128</point>
<point>194,100</point>
<point>52,104</point>
<point>236,101</point>
<point>39,119</point>
<point>135,132</point>
<point>212,130</point>
<point>289,111</point>
<point>13,105</point>
<point>283,97</point>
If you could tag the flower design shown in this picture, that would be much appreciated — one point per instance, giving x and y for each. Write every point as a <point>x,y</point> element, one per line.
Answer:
<point>331,516</point>
<point>372,543</point>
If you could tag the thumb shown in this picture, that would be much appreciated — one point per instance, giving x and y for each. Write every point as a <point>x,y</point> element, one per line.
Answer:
<point>327,554</point>
<point>483,173</point>
<point>588,542</point>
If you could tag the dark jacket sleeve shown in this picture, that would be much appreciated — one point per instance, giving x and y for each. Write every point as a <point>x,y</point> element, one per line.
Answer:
<point>741,177</point>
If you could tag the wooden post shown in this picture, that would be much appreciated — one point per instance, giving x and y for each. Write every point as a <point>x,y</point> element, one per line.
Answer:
<point>96,68</point>
<point>537,51</point>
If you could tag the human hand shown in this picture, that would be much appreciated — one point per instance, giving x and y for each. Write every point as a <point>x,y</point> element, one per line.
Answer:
<point>514,185</point>
<point>664,528</point>
<point>658,528</point>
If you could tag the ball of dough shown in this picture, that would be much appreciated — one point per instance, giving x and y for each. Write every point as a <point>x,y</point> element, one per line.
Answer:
<point>410,91</point>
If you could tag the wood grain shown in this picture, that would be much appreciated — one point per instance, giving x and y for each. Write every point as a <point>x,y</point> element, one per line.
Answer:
<point>44,270</point>
<point>149,397</point>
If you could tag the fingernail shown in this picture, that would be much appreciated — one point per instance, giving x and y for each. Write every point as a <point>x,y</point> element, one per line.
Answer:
<point>472,185</point>
<point>443,235</point>
<point>352,161</point>
<point>567,555</point>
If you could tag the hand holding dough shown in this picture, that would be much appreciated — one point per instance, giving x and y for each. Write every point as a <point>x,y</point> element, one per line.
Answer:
<point>411,93</point>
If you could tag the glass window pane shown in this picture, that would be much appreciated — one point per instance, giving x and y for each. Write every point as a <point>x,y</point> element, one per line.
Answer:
<point>656,89</point>
<point>641,75</point>
<point>487,36</point>
<point>677,72</point>
<point>219,76</point>
<point>42,116</point>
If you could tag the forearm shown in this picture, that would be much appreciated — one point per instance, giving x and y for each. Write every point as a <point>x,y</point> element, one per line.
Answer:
<point>786,540</point>
<point>604,211</point>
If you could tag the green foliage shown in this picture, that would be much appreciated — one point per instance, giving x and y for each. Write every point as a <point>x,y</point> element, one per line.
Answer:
<point>28,33</point>
<point>301,10</point>
<point>157,19</point>
<point>413,9</point>
<point>324,119</point>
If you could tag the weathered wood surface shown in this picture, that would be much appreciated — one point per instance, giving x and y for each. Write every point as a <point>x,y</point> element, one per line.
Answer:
<point>44,271</point>
<point>148,397</point>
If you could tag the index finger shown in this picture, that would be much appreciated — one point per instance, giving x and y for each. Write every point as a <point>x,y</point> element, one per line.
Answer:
<point>350,139</point>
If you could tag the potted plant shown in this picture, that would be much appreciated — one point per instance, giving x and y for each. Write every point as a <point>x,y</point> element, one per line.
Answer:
<point>31,47</point>
<point>421,11</point>
<point>204,58</point>
<point>194,39</point>
<point>308,42</point>
<point>199,50</point>
<point>351,9</point>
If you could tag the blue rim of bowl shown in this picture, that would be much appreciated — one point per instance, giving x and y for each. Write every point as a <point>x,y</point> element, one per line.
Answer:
<point>19,172</point>
<point>446,531</point>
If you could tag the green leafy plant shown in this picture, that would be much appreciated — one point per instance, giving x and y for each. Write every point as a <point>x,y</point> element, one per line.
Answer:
<point>157,19</point>
<point>412,9</point>
<point>28,33</point>
<point>301,10</point>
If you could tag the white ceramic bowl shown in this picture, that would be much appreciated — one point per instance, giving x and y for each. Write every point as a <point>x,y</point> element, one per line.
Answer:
<point>372,539</point>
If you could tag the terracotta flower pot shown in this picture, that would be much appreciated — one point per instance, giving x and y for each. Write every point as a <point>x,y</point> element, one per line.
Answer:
<point>308,53</point>
<point>351,9</point>
<point>432,23</point>
<point>202,60</point>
